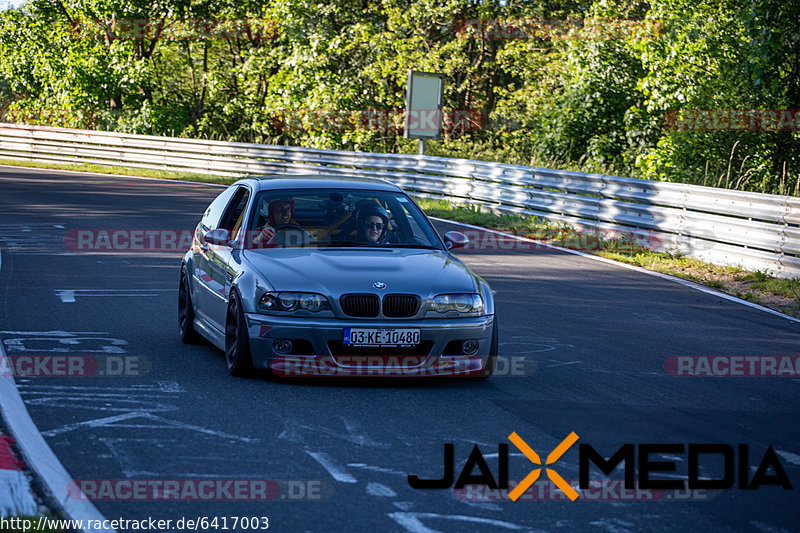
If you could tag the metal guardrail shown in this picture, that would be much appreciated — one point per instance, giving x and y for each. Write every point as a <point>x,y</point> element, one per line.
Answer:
<point>756,231</point>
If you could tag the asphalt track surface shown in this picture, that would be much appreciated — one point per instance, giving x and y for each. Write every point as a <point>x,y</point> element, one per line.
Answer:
<point>587,342</point>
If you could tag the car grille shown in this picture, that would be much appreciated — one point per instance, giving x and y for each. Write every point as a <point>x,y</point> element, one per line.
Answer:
<point>400,305</point>
<point>363,305</point>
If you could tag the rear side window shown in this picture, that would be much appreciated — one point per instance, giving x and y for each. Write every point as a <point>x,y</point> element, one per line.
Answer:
<point>214,211</point>
<point>232,219</point>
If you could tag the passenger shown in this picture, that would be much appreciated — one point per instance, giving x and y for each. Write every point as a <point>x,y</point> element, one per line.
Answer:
<point>279,212</point>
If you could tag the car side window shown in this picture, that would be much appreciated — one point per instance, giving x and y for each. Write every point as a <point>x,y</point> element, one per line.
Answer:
<point>231,220</point>
<point>214,212</point>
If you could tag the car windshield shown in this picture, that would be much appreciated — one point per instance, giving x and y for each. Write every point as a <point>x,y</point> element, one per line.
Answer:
<point>338,218</point>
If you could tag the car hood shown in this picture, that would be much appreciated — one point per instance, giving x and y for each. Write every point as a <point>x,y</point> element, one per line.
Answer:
<point>337,271</point>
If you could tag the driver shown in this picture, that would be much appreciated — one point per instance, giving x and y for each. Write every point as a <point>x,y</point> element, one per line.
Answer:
<point>372,223</point>
<point>278,212</point>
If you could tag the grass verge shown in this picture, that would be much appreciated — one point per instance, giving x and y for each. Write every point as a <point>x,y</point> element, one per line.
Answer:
<point>776,293</point>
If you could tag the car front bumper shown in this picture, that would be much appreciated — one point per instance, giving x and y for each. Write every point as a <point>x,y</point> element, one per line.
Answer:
<point>431,358</point>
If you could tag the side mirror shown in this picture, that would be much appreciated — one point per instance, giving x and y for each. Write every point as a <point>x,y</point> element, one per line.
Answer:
<point>455,239</point>
<point>219,237</point>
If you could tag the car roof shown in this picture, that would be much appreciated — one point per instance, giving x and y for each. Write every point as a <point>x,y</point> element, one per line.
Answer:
<point>318,181</point>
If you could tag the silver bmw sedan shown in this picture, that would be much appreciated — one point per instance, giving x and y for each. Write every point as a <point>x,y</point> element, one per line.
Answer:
<point>328,276</point>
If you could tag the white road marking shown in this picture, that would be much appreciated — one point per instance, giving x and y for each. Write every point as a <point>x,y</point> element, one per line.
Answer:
<point>483,506</point>
<point>379,489</point>
<point>35,238</point>
<point>761,526</point>
<point>69,295</point>
<point>377,469</point>
<point>789,457</point>
<point>336,471</point>
<point>156,422</point>
<point>293,432</point>
<point>411,522</point>
<point>162,386</point>
<point>124,460</point>
<point>563,363</point>
<point>614,525</point>
<point>405,506</point>
<point>66,344</point>
<point>66,296</point>
<point>121,403</point>
<point>39,457</point>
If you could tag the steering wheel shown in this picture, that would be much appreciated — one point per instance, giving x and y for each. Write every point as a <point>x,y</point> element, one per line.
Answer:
<point>286,230</point>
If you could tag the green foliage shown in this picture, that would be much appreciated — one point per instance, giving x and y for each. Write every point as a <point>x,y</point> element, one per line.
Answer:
<point>599,94</point>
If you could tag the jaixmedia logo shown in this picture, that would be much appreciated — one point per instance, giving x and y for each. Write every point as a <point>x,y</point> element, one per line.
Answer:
<point>641,465</point>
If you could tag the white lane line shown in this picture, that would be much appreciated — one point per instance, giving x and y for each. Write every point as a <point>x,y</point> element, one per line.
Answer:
<point>69,295</point>
<point>686,283</point>
<point>40,458</point>
<point>334,469</point>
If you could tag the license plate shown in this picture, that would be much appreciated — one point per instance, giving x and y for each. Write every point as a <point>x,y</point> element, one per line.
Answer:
<point>381,337</point>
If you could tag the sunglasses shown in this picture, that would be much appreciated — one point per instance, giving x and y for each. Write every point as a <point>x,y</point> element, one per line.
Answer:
<point>376,225</point>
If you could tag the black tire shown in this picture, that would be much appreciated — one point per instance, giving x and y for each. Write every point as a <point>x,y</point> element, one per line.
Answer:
<point>186,312</point>
<point>237,342</point>
<point>491,363</point>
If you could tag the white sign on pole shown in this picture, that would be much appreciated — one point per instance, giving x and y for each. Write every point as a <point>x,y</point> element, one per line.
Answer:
<point>423,105</point>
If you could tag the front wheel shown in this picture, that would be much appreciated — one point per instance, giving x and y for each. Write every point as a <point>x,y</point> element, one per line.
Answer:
<point>237,342</point>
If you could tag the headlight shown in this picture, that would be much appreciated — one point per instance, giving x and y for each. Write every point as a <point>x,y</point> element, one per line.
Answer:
<point>461,303</point>
<point>293,301</point>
